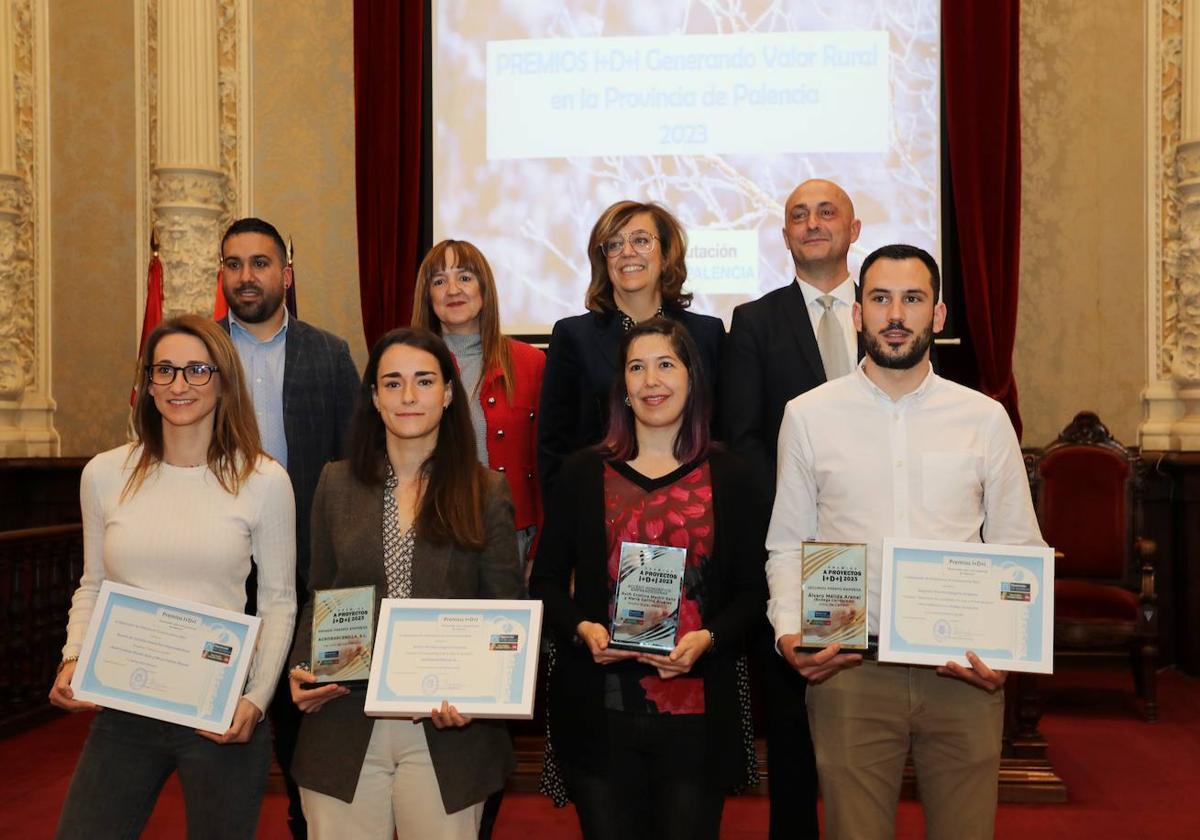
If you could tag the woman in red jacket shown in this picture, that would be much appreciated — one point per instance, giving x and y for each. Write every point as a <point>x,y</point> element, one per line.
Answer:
<point>455,297</point>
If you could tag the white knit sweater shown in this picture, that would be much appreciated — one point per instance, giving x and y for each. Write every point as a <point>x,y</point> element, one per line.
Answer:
<point>182,534</point>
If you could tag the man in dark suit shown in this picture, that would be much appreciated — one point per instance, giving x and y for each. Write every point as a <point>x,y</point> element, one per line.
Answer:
<point>304,385</point>
<point>779,346</point>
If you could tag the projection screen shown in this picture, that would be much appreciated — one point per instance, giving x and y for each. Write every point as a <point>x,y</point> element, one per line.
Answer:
<point>544,112</point>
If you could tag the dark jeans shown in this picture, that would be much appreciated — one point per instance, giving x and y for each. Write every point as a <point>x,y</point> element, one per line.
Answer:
<point>655,786</point>
<point>791,765</point>
<point>285,719</point>
<point>284,715</point>
<point>126,760</point>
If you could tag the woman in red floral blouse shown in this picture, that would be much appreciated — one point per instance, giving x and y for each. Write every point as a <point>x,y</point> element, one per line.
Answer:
<point>650,743</point>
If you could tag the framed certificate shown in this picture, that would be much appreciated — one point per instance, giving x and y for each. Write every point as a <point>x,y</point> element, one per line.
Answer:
<point>480,655</point>
<point>941,599</point>
<point>165,657</point>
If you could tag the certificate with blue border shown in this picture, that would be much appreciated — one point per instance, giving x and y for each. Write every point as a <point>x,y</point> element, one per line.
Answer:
<point>940,599</point>
<point>480,655</point>
<point>165,657</point>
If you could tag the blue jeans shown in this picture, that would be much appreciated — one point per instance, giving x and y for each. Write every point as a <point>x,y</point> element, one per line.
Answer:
<point>126,760</point>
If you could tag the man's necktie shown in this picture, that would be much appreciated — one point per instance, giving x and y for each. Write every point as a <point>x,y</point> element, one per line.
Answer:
<point>831,340</point>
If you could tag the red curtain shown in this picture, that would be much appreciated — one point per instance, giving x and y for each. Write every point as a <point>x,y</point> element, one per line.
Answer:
<point>388,86</point>
<point>983,128</point>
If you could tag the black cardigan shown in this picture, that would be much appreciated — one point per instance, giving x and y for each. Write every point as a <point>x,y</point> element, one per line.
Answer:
<point>575,541</point>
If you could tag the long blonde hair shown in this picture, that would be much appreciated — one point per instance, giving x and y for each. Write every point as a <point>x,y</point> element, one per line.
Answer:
<point>468,258</point>
<point>236,446</point>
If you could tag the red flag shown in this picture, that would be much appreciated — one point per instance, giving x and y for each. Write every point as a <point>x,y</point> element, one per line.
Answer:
<point>220,308</point>
<point>154,306</point>
<point>154,300</point>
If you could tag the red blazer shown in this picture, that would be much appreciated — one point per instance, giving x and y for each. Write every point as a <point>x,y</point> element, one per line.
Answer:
<point>512,429</point>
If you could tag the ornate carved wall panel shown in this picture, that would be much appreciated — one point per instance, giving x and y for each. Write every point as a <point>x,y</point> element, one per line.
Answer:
<point>1172,396</point>
<point>26,408</point>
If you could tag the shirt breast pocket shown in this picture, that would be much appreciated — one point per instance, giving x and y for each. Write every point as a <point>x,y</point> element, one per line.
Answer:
<point>951,481</point>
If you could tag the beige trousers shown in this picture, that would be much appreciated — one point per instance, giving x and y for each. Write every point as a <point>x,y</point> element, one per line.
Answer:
<point>865,719</point>
<point>397,795</point>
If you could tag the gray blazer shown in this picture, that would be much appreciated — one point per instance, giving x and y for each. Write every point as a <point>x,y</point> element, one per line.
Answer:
<point>347,550</point>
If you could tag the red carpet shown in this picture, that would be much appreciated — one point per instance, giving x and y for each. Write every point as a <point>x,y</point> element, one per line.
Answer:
<point>1125,779</point>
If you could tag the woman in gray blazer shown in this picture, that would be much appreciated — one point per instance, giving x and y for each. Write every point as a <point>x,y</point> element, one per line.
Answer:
<point>412,512</point>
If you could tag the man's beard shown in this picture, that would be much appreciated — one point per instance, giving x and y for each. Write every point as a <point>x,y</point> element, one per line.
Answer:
<point>253,311</point>
<point>879,354</point>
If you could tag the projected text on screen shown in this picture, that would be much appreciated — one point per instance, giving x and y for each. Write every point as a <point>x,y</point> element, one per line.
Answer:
<point>774,93</point>
<point>545,112</point>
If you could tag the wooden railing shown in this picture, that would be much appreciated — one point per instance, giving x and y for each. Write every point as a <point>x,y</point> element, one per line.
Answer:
<point>39,569</point>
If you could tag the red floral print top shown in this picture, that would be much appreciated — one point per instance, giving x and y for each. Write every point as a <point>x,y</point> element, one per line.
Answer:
<point>674,510</point>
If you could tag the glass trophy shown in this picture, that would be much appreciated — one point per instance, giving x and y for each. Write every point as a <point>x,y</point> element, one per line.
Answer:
<point>834,601</point>
<point>342,630</point>
<point>645,615</point>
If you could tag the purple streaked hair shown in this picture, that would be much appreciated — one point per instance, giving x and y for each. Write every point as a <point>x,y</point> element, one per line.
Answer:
<point>693,440</point>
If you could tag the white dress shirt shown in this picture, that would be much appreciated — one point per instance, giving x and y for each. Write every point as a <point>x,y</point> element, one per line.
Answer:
<point>843,304</point>
<point>940,463</point>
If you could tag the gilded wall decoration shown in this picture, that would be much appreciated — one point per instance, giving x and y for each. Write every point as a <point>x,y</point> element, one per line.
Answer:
<point>18,254</point>
<point>1170,71</point>
<point>1184,266</point>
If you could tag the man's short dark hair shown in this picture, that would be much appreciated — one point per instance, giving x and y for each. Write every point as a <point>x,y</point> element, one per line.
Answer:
<point>901,252</point>
<point>253,225</point>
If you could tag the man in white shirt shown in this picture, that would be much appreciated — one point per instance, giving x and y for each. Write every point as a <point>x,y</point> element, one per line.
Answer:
<point>788,341</point>
<point>895,450</point>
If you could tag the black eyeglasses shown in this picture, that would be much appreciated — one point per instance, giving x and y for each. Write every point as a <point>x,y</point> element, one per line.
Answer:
<point>196,374</point>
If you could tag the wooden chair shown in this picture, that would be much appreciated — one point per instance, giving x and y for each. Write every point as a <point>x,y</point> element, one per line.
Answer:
<point>1086,488</point>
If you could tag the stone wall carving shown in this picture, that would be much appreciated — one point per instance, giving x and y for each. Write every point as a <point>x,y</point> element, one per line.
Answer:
<point>18,215</point>
<point>1184,266</point>
<point>1165,190</point>
<point>26,408</point>
<point>229,86</point>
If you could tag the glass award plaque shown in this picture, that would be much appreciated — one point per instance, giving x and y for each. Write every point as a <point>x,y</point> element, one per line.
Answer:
<point>342,630</point>
<point>645,614</point>
<point>834,601</point>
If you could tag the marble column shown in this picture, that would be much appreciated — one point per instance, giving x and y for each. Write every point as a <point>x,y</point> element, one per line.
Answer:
<point>188,183</point>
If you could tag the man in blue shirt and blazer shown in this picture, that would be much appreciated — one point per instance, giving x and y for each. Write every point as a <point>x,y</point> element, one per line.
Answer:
<point>304,385</point>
